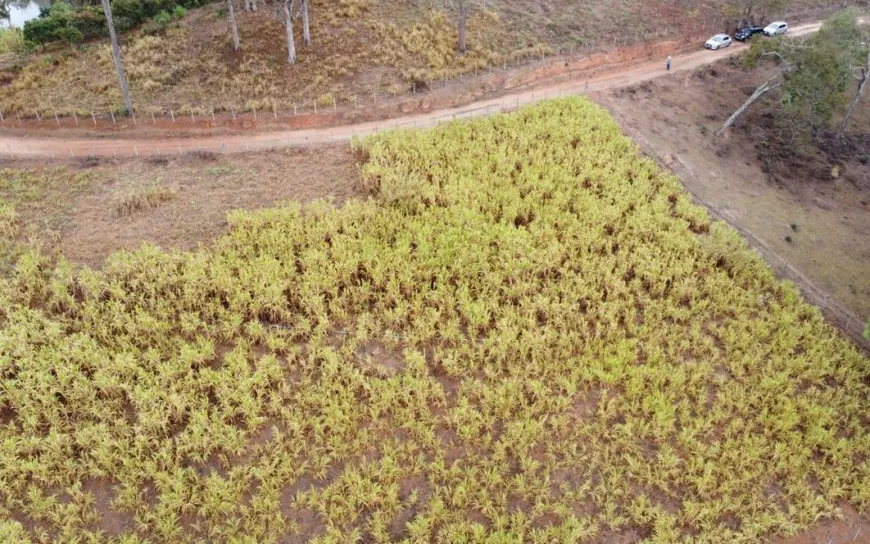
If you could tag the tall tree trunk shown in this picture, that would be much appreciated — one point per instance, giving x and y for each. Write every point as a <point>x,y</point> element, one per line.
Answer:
<point>862,86</point>
<point>116,55</point>
<point>463,20</point>
<point>306,29</point>
<point>247,5</point>
<point>759,92</point>
<point>231,14</point>
<point>254,5</point>
<point>288,23</point>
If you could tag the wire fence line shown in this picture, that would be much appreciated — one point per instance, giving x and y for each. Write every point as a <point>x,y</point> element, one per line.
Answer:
<point>271,142</point>
<point>679,37</point>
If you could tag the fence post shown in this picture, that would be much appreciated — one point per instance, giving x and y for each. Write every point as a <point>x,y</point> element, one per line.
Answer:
<point>56,119</point>
<point>94,117</point>
<point>38,118</point>
<point>133,115</point>
<point>275,110</point>
<point>334,104</point>
<point>172,114</point>
<point>76,118</point>
<point>255,112</point>
<point>294,109</point>
<point>233,113</point>
<point>213,120</point>
<point>315,107</point>
<point>192,117</point>
<point>1,117</point>
<point>113,118</point>
<point>153,121</point>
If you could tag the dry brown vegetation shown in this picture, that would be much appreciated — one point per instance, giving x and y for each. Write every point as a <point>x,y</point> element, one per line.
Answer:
<point>361,47</point>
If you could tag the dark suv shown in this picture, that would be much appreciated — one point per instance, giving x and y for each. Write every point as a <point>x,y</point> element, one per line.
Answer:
<point>747,32</point>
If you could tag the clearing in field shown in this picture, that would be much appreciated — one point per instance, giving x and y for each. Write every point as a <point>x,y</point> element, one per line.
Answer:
<point>530,334</point>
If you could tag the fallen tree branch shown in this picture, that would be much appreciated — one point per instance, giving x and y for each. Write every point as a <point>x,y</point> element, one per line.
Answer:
<point>759,92</point>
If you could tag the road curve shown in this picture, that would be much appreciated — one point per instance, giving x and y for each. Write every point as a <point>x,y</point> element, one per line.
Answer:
<point>46,148</point>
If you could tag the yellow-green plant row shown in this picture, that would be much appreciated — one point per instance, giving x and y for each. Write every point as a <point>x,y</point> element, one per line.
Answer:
<point>530,334</point>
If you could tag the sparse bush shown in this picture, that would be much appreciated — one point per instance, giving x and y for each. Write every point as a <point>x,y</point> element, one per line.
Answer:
<point>128,203</point>
<point>8,221</point>
<point>11,40</point>
<point>179,12</point>
<point>152,28</point>
<point>325,100</point>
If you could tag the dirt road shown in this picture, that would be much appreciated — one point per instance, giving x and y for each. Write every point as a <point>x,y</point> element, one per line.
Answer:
<point>618,76</point>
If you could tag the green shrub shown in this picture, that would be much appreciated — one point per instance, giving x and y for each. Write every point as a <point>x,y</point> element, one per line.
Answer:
<point>132,10</point>
<point>123,24</point>
<point>91,21</point>
<point>42,31</point>
<point>163,18</point>
<point>70,35</point>
<point>61,22</point>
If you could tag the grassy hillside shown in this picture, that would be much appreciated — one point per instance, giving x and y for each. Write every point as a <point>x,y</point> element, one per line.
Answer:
<point>360,47</point>
<point>530,334</point>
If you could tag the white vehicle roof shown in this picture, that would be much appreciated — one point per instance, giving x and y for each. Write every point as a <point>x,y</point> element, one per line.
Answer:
<point>721,37</point>
<point>777,23</point>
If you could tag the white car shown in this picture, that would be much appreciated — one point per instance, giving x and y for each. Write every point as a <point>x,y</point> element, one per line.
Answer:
<point>718,42</point>
<point>776,29</point>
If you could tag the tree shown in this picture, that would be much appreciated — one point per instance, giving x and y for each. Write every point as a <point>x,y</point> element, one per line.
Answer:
<point>287,12</point>
<point>306,29</point>
<point>863,78</point>
<point>251,5</point>
<point>116,55</point>
<point>854,44</point>
<point>811,74</point>
<point>463,7</point>
<point>232,16</point>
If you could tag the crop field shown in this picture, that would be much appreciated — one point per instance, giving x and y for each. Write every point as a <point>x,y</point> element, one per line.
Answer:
<point>528,334</point>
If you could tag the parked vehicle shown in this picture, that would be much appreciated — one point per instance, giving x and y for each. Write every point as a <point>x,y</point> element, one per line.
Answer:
<point>718,41</point>
<point>747,32</point>
<point>776,29</point>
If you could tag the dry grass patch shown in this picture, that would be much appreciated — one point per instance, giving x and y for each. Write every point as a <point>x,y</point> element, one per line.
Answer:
<point>141,199</point>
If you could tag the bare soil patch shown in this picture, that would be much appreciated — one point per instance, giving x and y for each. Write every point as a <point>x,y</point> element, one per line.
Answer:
<point>806,209</point>
<point>97,219</point>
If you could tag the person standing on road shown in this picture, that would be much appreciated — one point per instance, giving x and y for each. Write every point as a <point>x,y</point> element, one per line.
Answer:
<point>668,64</point>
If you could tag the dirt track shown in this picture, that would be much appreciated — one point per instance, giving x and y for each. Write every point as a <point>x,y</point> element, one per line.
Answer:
<point>618,76</point>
